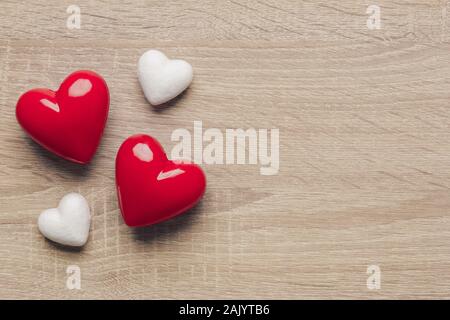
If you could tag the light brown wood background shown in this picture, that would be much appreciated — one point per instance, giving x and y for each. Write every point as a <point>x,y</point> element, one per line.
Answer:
<point>364,158</point>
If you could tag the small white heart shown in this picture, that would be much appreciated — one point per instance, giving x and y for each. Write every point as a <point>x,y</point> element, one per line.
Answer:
<point>161,78</point>
<point>69,223</point>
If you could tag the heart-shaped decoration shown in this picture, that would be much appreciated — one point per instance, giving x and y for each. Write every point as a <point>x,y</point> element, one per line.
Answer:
<point>70,121</point>
<point>163,79</point>
<point>69,223</point>
<point>152,188</point>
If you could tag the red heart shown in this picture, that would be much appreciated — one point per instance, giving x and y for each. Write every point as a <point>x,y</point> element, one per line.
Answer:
<point>70,121</point>
<point>152,188</point>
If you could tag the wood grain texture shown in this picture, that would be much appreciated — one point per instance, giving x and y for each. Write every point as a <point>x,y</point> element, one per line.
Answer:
<point>364,157</point>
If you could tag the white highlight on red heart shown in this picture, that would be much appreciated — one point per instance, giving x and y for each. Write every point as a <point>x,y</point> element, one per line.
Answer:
<point>161,78</point>
<point>69,223</point>
<point>143,152</point>
<point>80,87</point>
<point>169,174</point>
<point>51,105</point>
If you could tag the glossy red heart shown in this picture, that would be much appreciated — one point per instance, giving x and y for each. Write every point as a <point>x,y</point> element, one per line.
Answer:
<point>152,188</point>
<point>70,121</point>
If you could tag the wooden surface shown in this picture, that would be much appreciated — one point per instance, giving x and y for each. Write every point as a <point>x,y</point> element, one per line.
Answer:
<point>364,149</point>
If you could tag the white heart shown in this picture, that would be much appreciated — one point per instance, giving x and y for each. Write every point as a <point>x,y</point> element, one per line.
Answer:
<point>69,223</point>
<point>161,78</point>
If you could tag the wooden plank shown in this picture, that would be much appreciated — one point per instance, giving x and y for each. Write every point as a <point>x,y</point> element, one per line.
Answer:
<point>364,172</point>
